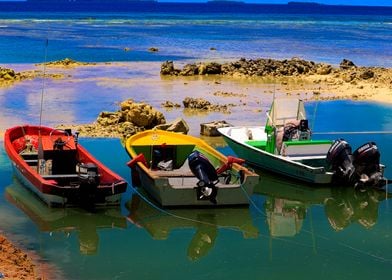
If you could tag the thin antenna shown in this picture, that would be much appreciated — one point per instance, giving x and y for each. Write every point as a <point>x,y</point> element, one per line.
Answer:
<point>43,85</point>
<point>40,149</point>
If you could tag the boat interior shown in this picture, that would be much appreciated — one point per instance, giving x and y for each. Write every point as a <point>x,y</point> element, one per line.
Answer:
<point>171,161</point>
<point>156,155</point>
<point>307,151</point>
<point>54,158</point>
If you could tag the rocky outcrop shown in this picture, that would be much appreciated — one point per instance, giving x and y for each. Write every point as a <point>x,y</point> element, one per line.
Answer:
<point>131,118</point>
<point>205,105</point>
<point>211,128</point>
<point>347,64</point>
<point>170,104</point>
<point>14,263</point>
<point>295,67</point>
<point>67,62</point>
<point>178,125</point>
<point>9,76</point>
<point>248,67</point>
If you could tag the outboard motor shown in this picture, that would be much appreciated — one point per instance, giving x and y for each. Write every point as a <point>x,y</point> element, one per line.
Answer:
<point>290,132</point>
<point>340,158</point>
<point>88,174</point>
<point>304,130</point>
<point>367,165</point>
<point>202,168</point>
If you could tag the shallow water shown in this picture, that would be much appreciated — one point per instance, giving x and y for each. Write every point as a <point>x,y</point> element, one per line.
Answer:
<point>289,229</point>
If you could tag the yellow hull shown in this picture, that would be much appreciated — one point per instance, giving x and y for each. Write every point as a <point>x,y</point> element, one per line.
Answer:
<point>178,186</point>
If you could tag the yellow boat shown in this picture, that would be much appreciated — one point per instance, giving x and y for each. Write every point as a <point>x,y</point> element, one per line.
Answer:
<point>182,170</point>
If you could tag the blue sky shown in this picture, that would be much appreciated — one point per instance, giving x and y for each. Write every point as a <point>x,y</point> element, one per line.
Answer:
<point>331,2</point>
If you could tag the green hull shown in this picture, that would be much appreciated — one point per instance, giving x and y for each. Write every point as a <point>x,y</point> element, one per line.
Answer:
<point>279,164</point>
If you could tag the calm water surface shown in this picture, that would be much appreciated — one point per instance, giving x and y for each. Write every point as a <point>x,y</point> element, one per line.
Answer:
<point>289,230</point>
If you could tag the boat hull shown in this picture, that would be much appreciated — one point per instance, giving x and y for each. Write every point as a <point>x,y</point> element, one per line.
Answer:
<point>47,186</point>
<point>180,189</point>
<point>275,163</point>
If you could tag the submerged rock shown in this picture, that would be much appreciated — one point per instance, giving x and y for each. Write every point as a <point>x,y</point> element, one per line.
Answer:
<point>211,128</point>
<point>178,125</point>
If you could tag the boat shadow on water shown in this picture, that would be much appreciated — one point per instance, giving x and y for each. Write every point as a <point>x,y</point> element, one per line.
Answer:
<point>66,221</point>
<point>288,202</point>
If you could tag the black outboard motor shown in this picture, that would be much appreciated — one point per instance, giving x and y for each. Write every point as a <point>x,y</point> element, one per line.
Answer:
<point>367,165</point>
<point>202,168</point>
<point>88,174</point>
<point>340,158</point>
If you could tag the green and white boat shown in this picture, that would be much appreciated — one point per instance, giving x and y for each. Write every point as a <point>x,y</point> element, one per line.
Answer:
<point>284,146</point>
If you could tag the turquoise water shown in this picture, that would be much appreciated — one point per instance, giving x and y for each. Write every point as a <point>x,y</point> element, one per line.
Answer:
<point>289,230</point>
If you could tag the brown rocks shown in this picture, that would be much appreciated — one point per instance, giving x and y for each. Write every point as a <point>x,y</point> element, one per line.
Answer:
<point>346,64</point>
<point>170,104</point>
<point>178,125</point>
<point>211,128</point>
<point>292,68</point>
<point>196,103</point>
<point>14,263</point>
<point>67,62</point>
<point>205,105</point>
<point>131,118</point>
<point>366,74</point>
<point>167,68</point>
<point>7,74</point>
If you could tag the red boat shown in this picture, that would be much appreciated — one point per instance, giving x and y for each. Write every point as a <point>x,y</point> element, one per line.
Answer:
<point>52,164</point>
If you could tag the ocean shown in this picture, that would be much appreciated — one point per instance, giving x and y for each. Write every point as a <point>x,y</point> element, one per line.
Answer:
<point>290,230</point>
<point>189,31</point>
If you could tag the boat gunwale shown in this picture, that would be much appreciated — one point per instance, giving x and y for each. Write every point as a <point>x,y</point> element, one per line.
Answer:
<point>280,157</point>
<point>197,141</point>
<point>49,187</point>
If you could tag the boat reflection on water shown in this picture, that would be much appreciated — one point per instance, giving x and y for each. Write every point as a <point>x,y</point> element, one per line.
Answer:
<point>287,203</point>
<point>206,222</point>
<point>348,206</point>
<point>66,220</point>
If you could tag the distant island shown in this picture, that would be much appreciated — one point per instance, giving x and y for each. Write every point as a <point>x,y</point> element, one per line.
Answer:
<point>226,1</point>
<point>305,3</point>
<point>88,1</point>
<point>209,6</point>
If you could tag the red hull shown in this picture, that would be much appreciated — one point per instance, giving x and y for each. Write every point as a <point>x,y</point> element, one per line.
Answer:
<point>16,140</point>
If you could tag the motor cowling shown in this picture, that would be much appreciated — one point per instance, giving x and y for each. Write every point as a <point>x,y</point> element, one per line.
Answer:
<point>367,165</point>
<point>88,174</point>
<point>202,168</point>
<point>361,168</point>
<point>340,159</point>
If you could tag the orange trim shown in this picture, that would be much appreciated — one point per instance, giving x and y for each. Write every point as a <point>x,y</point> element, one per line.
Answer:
<point>135,160</point>
<point>229,164</point>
